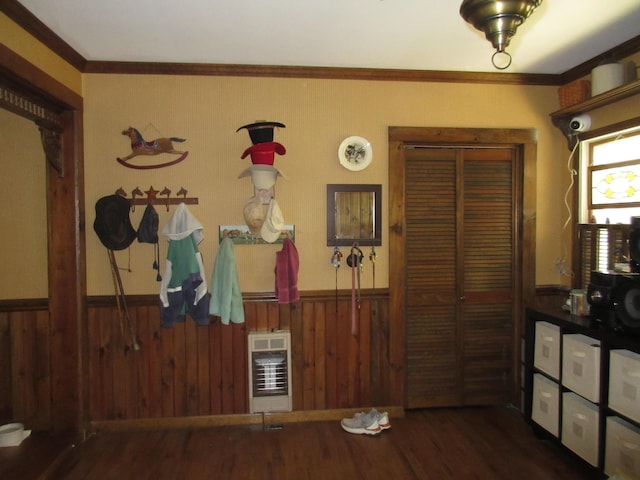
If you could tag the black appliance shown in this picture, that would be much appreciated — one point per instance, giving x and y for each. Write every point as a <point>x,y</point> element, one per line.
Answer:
<point>614,299</point>
<point>634,245</point>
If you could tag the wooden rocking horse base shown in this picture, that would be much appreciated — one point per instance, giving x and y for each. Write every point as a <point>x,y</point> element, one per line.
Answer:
<point>124,161</point>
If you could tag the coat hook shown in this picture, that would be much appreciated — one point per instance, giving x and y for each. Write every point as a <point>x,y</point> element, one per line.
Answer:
<point>134,193</point>
<point>183,192</point>
<point>121,192</point>
<point>166,192</point>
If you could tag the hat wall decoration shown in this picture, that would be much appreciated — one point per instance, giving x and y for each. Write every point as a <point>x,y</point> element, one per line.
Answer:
<point>499,20</point>
<point>355,153</point>
<point>262,171</point>
<point>139,146</point>
<point>261,131</point>
<point>261,212</point>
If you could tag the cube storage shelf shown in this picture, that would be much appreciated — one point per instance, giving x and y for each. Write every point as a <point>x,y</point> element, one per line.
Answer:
<point>622,442</point>
<point>582,389</point>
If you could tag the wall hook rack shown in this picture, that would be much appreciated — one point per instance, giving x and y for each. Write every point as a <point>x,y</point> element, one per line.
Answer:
<point>150,197</point>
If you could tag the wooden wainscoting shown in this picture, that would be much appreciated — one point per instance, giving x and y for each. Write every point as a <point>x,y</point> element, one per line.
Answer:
<point>25,365</point>
<point>189,371</point>
<point>195,371</point>
<point>551,296</point>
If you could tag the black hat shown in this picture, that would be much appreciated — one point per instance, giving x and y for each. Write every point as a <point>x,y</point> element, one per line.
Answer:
<point>261,132</point>
<point>112,222</point>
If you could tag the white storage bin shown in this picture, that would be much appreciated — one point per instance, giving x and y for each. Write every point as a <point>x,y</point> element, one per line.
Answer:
<point>580,427</point>
<point>622,453</point>
<point>624,383</point>
<point>547,349</point>
<point>545,406</point>
<point>581,365</point>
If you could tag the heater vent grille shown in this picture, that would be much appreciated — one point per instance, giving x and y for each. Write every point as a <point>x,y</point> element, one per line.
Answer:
<point>270,373</point>
<point>270,363</point>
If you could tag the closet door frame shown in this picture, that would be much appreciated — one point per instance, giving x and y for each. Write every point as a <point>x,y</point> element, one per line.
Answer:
<point>522,139</point>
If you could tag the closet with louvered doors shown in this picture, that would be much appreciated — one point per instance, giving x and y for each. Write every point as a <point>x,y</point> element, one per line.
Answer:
<point>461,267</point>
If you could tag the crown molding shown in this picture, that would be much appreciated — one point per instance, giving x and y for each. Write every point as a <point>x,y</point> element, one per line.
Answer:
<point>280,71</point>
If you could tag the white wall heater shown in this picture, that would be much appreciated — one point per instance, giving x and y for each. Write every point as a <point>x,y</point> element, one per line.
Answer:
<point>270,363</point>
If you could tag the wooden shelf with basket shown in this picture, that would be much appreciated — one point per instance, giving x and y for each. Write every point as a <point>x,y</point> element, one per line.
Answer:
<point>562,118</point>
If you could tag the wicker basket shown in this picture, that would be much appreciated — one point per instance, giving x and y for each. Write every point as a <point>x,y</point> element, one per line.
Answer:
<point>574,92</point>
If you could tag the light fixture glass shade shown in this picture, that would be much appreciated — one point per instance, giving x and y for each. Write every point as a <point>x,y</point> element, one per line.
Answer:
<point>498,19</point>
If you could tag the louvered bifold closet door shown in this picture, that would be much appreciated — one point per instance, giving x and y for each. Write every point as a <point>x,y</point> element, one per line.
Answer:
<point>488,275</point>
<point>433,364</point>
<point>459,263</point>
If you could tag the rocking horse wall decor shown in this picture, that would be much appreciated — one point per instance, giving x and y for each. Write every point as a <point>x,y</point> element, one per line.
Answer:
<point>139,146</point>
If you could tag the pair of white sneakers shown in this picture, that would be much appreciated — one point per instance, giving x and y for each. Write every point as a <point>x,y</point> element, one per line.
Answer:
<point>372,423</point>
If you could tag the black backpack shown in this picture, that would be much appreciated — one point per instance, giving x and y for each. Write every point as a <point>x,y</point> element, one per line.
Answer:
<point>148,233</point>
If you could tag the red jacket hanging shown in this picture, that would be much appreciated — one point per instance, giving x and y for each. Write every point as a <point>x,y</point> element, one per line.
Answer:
<point>287,264</point>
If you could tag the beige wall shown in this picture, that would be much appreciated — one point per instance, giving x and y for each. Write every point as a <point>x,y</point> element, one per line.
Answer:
<point>318,115</point>
<point>23,221</point>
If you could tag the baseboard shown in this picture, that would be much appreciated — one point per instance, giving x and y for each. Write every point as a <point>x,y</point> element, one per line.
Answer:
<point>208,421</point>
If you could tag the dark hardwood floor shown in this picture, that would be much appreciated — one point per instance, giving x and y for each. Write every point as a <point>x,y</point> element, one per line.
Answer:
<point>491,443</point>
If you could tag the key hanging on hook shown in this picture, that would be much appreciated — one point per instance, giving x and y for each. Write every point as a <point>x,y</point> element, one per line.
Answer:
<point>336,257</point>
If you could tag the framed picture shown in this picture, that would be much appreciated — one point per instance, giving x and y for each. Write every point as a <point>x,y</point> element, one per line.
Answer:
<point>354,214</point>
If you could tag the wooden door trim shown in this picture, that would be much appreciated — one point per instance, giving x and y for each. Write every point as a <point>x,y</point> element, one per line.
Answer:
<point>523,139</point>
<point>396,269</point>
<point>66,244</point>
<point>461,136</point>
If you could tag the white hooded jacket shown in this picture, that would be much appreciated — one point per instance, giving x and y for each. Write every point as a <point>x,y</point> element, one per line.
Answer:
<point>184,268</point>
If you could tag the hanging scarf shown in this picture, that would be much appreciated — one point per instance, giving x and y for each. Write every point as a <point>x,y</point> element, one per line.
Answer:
<point>354,260</point>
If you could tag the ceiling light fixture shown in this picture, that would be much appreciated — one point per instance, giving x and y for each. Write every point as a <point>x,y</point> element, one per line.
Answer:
<point>499,21</point>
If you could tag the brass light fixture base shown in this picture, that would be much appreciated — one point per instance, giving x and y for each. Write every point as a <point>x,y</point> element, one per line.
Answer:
<point>498,19</point>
